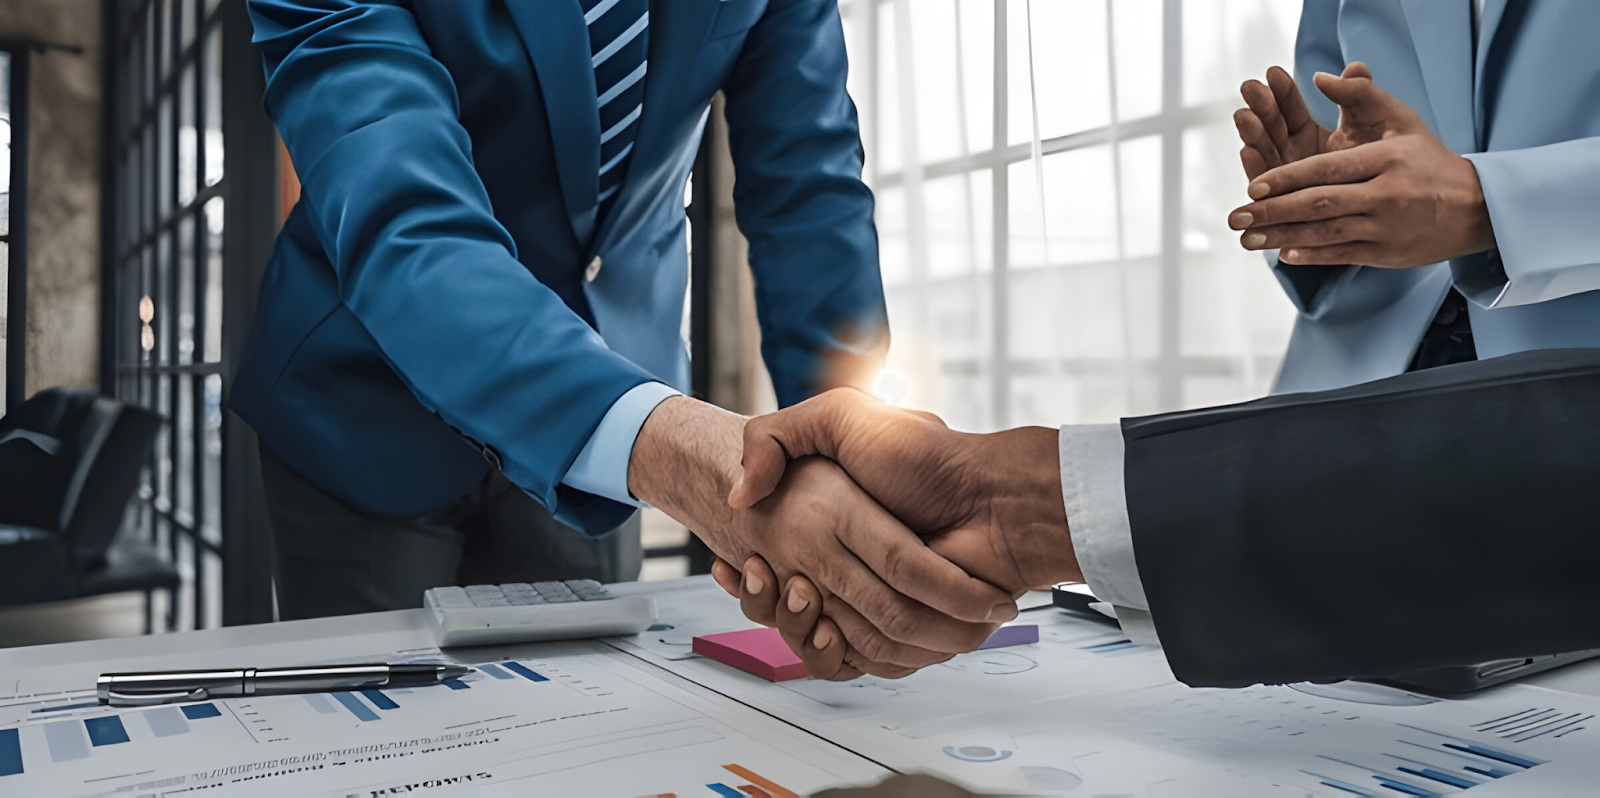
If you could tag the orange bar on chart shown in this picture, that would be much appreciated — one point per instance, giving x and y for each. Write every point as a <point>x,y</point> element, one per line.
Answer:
<point>766,784</point>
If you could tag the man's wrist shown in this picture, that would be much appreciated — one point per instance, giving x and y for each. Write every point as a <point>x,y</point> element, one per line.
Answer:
<point>685,460</point>
<point>1021,469</point>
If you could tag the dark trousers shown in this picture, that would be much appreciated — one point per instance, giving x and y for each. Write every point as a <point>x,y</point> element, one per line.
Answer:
<point>332,559</point>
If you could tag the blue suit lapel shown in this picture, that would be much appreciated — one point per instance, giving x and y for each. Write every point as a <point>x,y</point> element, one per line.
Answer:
<point>676,39</point>
<point>1441,32</point>
<point>1488,28</point>
<point>558,44</point>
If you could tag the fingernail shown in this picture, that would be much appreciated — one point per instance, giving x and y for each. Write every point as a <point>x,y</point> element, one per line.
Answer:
<point>1253,240</point>
<point>1002,613</point>
<point>797,602</point>
<point>1241,220</point>
<point>753,584</point>
<point>1259,190</point>
<point>1293,254</point>
<point>822,638</point>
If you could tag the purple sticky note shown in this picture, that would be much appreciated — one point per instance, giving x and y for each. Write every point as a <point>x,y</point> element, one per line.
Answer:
<point>1014,635</point>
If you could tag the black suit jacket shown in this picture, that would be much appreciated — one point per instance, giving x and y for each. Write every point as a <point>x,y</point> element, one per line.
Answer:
<point>1440,517</point>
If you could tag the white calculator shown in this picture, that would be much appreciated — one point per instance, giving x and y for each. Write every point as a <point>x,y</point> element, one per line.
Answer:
<point>520,612</point>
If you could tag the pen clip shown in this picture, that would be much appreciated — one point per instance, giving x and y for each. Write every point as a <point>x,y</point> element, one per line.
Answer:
<point>151,699</point>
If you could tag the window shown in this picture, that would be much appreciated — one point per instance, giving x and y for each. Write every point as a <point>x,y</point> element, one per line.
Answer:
<point>13,204</point>
<point>1053,180</point>
<point>166,271</point>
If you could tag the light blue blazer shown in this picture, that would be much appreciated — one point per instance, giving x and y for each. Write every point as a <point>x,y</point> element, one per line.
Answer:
<point>1524,107</point>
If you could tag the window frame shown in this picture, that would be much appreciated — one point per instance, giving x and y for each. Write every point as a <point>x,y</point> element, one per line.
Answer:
<point>16,235</point>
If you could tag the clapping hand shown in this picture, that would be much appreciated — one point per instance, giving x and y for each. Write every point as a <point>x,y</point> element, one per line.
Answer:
<point>1380,190</point>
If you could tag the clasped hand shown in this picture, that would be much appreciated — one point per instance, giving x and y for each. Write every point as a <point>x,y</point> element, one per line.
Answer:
<point>989,505</point>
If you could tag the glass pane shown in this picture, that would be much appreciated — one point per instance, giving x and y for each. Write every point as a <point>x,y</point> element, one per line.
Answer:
<point>165,35</point>
<point>164,172</point>
<point>1226,42</point>
<point>186,23</point>
<point>1140,163</point>
<point>1136,33</point>
<point>147,32</point>
<point>887,137</point>
<point>165,296</point>
<point>5,153</point>
<point>894,258</point>
<point>1069,68</point>
<point>213,104</point>
<point>950,83</point>
<point>211,481</point>
<point>188,148</point>
<point>959,223</point>
<point>1232,306</point>
<point>182,420</point>
<point>1077,223</point>
<point>213,308</point>
<point>186,286</point>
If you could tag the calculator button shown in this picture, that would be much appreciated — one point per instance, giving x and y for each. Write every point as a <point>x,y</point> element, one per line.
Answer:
<point>555,592</point>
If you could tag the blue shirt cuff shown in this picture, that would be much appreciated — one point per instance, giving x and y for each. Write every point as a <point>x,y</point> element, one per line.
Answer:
<point>602,465</point>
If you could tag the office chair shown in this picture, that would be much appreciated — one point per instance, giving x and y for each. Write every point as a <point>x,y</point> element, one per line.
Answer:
<point>69,461</point>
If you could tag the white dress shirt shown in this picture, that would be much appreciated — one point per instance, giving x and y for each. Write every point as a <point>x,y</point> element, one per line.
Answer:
<point>1097,513</point>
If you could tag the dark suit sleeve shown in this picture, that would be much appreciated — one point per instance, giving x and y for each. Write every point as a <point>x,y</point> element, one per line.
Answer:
<point>370,119</point>
<point>1442,517</point>
<point>800,201</point>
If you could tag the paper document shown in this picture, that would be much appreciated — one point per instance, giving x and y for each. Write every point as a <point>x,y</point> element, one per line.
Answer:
<point>1086,711</point>
<point>574,719</point>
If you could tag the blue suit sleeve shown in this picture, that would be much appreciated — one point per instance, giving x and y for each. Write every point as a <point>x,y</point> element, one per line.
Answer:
<point>371,121</point>
<point>1316,49</point>
<point>1541,202</point>
<point>800,201</point>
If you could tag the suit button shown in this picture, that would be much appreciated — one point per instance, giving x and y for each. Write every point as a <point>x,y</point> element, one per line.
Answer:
<point>593,270</point>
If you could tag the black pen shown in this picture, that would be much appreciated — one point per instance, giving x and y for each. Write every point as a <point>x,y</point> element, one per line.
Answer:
<point>171,687</point>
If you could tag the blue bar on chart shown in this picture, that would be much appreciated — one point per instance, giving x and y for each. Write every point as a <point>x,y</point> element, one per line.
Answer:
<point>360,710</point>
<point>201,711</point>
<point>106,731</point>
<point>457,684</point>
<point>523,671</point>
<point>380,700</point>
<point>166,721</point>
<point>1113,646</point>
<point>320,703</point>
<point>726,791</point>
<point>495,670</point>
<point>10,752</point>
<point>66,741</point>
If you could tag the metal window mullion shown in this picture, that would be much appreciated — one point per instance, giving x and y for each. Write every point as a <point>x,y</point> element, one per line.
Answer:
<point>1000,205</point>
<point>1169,391</point>
<point>17,252</point>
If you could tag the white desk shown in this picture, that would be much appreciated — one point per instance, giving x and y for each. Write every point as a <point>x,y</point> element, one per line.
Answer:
<point>1070,713</point>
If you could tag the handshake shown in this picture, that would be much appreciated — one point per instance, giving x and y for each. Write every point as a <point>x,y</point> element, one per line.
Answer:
<point>877,540</point>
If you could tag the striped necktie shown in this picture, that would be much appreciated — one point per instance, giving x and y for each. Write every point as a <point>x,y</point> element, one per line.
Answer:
<point>619,40</point>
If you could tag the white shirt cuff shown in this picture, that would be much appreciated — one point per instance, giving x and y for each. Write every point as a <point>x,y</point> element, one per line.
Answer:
<point>1097,515</point>
<point>602,465</point>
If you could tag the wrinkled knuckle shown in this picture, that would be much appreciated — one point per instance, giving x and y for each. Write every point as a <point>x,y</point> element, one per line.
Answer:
<point>875,648</point>
<point>900,624</point>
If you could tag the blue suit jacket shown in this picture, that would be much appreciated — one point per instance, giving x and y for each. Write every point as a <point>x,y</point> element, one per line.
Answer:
<point>1524,107</point>
<point>427,294</point>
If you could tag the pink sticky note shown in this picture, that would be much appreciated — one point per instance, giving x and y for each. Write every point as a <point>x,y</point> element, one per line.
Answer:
<point>758,651</point>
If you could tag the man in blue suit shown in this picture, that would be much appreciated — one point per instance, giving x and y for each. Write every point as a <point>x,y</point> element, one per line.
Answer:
<point>1463,225</point>
<point>469,328</point>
